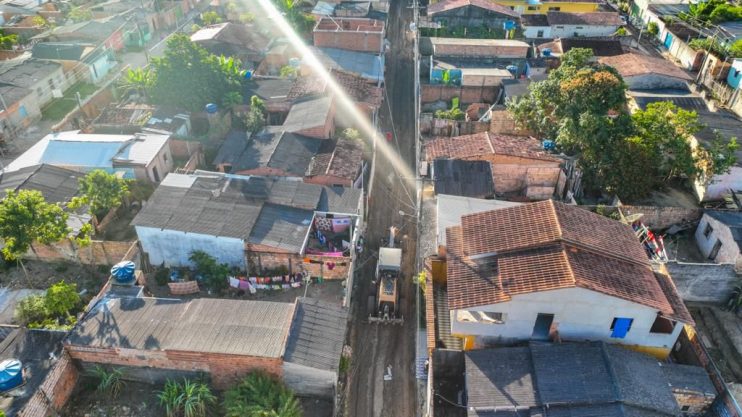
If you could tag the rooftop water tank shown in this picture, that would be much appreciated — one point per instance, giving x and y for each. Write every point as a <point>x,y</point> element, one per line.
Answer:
<point>211,108</point>
<point>11,374</point>
<point>123,272</point>
<point>294,62</point>
<point>512,68</point>
<point>546,52</point>
<point>248,74</point>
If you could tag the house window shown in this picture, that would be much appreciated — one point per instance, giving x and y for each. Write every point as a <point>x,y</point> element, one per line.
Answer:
<point>532,7</point>
<point>164,158</point>
<point>482,317</point>
<point>685,408</point>
<point>51,83</point>
<point>560,27</point>
<point>662,325</point>
<point>708,230</point>
<point>512,7</point>
<point>554,9</point>
<point>540,34</point>
<point>155,174</point>
<point>578,27</point>
<point>715,250</point>
<point>620,326</point>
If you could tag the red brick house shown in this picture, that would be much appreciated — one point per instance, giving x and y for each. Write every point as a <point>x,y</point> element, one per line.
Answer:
<point>223,338</point>
<point>352,34</point>
<point>519,165</point>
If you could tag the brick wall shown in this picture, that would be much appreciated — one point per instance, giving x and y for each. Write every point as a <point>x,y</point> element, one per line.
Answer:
<point>224,369</point>
<point>503,124</point>
<point>262,259</point>
<point>10,54</point>
<point>696,403</point>
<point>467,95</point>
<point>99,252</point>
<point>54,391</point>
<point>351,41</point>
<point>183,149</point>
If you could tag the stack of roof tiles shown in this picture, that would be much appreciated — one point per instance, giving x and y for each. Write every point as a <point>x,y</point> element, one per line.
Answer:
<point>547,246</point>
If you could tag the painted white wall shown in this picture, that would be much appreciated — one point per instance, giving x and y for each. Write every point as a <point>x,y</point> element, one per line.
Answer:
<point>719,185</point>
<point>654,81</point>
<point>568,31</point>
<point>173,247</point>
<point>532,32</point>
<point>729,251</point>
<point>163,162</point>
<point>579,314</point>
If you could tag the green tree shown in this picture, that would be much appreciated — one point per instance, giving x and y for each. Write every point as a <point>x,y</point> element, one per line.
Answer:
<point>255,119</point>
<point>653,29</point>
<point>211,18</point>
<point>79,14</point>
<point>208,78</point>
<point>287,71</point>
<point>39,21</point>
<point>214,273</point>
<point>261,395</point>
<point>735,50</point>
<point>350,134</point>
<point>25,217</point>
<point>247,17</point>
<point>231,100</point>
<point>61,298</point>
<point>101,191</point>
<point>301,22</point>
<point>7,41</point>
<point>621,31</point>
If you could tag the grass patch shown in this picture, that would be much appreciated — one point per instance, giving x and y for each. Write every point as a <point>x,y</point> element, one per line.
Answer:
<point>60,107</point>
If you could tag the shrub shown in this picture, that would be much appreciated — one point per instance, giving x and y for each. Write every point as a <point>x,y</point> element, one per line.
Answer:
<point>653,29</point>
<point>52,310</point>
<point>259,395</point>
<point>109,382</point>
<point>734,304</point>
<point>452,114</point>
<point>162,275</point>
<point>214,273</point>
<point>187,399</point>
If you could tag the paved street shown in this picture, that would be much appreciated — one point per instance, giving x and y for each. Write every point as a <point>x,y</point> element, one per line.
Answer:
<point>378,346</point>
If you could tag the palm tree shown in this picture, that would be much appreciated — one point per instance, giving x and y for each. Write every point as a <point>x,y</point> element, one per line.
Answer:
<point>260,395</point>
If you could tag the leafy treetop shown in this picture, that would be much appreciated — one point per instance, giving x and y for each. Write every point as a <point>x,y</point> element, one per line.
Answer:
<point>100,190</point>
<point>26,217</point>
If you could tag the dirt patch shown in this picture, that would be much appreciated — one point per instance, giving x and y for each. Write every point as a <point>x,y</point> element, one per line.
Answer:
<point>120,228</point>
<point>136,400</point>
<point>41,275</point>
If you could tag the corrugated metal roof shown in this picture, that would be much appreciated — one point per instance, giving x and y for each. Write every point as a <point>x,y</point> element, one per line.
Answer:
<point>281,227</point>
<point>317,334</point>
<point>463,178</point>
<point>58,185</point>
<point>342,200</point>
<point>237,327</point>
<point>308,114</point>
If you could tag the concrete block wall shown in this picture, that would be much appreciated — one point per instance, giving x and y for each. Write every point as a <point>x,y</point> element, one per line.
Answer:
<point>224,369</point>
<point>711,283</point>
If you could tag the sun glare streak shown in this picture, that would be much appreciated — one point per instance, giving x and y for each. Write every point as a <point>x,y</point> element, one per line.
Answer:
<point>345,103</point>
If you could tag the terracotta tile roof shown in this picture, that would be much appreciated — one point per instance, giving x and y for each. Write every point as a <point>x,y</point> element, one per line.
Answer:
<point>680,311</point>
<point>358,88</point>
<point>473,146</point>
<point>339,158</point>
<point>546,246</point>
<point>446,5</point>
<point>632,64</point>
<point>429,306</point>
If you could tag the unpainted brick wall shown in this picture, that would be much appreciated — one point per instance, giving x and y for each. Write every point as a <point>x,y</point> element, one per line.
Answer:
<point>99,252</point>
<point>295,263</point>
<point>467,95</point>
<point>224,369</point>
<point>351,41</point>
<point>696,403</point>
<point>656,217</point>
<point>183,149</point>
<point>54,391</point>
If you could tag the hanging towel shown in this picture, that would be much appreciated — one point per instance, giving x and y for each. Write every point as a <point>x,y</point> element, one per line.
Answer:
<point>234,282</point>
<point>244,285</point>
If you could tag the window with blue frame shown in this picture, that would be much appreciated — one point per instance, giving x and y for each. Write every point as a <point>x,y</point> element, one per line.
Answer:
<point>620,326</point>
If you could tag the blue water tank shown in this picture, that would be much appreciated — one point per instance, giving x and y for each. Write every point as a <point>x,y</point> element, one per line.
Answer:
<point>123,272</point>
<point>548,144</point>
<point>211,108</point>
<point>248,74</point>
<point>11,374</point>
<point>512,68</point>
<point>508,25</point>
<point>546,52</point>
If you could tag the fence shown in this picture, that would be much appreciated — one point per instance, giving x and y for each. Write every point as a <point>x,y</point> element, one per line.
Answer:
<point>429,125</point>
<point>98,252</point>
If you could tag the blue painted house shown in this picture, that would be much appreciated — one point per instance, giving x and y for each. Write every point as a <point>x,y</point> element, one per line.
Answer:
<point>734,78</point>
<point>98,60</point>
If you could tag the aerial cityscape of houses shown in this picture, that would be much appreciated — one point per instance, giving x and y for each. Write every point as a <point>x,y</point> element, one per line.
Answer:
<point>436,208</point>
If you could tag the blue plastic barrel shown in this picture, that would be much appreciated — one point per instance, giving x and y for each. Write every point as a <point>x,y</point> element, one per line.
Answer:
<point>211,108</point>
<point>546,52</point>
<point>11,374</point>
